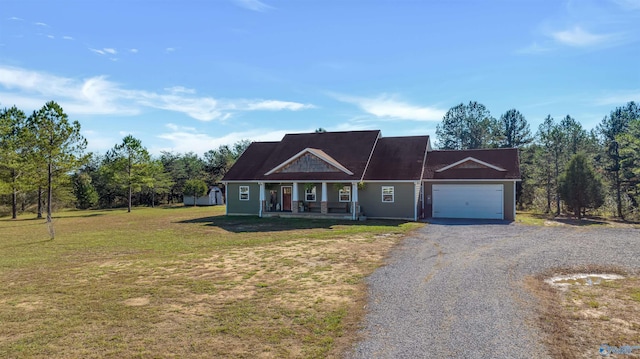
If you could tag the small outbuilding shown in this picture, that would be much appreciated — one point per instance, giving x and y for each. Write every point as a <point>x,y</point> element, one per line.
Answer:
<point>213,198</point>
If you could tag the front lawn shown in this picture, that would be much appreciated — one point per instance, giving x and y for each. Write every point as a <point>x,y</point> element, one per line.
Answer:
<point>185,282</point>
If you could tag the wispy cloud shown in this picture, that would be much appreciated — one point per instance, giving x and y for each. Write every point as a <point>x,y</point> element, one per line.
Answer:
<point>99,96</point>
<point>15,18</point>
<point>133,51</point>
<point>628,4</point>
<point>179,90</point>
<point>98,141</point>
<point>389,107</point>
<point>253,5</point>
<point>188,139</point>
<point>104,51</point>
<point>579,37</point>
<point>67,38</point>
<point>619,98</point>
<point>534,48</point>
<point>274,105</point>
<point>170,49</point>
<point>41,24</point>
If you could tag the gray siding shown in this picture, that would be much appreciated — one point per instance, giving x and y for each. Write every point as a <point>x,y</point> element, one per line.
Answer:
<point>236,206</point>
<point>403,206</point>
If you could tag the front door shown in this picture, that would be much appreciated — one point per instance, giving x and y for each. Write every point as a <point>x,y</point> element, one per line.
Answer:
<point>286,198</point>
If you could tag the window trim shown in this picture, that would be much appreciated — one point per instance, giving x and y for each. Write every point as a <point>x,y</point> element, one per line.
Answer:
<point>243,190</point>
<point>342,191</point>
<point>392,194</point>
<point>310,192</point>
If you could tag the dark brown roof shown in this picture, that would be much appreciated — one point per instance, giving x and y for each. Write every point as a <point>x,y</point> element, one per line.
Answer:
<point>351,149</point>
<point>398,158</point>
<point>251,161</point>
<point>504,158</point>
<point>392,159</point>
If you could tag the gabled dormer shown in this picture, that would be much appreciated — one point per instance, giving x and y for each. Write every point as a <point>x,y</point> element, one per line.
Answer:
<point>310,160</point>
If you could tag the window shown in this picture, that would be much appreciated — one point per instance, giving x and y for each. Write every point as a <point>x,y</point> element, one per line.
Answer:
<point>244,193</point>
<point>344,195</point>
<point>310,194</point>
<point>387,194</point>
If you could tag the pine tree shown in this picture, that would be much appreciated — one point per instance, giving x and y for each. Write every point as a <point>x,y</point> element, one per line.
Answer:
<point>580,188</point>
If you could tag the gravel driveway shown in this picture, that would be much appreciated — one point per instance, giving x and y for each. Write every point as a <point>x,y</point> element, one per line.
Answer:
<point>453,290</point>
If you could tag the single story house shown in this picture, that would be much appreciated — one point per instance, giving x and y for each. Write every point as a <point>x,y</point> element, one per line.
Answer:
<point>356,174</point>
<point>214,197</point>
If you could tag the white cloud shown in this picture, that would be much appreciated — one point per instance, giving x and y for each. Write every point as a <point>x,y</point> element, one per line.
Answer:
<point>619,99</point>
<point>253,5</point>
<point>578,37</point>
<point>133,51</point>
<point>189,140</point>
<point>97,142</point>
<point>68,38</point>
<point>15,18</point>
<point>104,51</point>
<point>179,89</point>
<point>170,49</point>
<point>41,24</point>
<point>388,107</point>
<point>99,96</point>
<point>274,105</point>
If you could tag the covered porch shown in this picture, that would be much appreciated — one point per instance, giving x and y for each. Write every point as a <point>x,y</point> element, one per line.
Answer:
<point>309,200</point>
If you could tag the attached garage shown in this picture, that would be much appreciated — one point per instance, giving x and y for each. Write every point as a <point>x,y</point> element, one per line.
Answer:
<point>484,201</point>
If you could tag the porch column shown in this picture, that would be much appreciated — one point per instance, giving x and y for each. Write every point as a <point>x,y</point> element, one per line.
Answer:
<point>294,198</point>
<point>354,200</point>
<point>226,198</point>
<point>416,188</point>
<point>323,203</point>
<point>262,201</point>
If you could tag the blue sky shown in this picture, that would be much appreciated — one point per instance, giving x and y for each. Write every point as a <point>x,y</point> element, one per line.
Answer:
<point>192,75</point>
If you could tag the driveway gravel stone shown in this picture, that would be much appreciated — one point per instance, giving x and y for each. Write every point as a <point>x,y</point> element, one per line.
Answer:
<point>454,288</point>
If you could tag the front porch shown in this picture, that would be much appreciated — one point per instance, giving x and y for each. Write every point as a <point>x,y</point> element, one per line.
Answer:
<point>309,200</point>
<point>310,215</point>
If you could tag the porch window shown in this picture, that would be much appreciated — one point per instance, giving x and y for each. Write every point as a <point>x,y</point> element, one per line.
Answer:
<point>244,193</point>
<point>344,195</point>
<point>310,194</point>
<point>388,194</point>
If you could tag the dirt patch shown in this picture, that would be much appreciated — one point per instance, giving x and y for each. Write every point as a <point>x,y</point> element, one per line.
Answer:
<point>136,302</point>
<point>584,319</point>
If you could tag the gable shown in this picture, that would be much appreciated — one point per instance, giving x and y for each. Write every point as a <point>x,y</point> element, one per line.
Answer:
<point>477,164</point>
<point>471,163</point>
<point>307,163</point>
<point>310,160</point>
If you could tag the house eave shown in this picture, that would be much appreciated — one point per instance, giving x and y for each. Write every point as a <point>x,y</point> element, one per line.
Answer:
<point>473,180</point>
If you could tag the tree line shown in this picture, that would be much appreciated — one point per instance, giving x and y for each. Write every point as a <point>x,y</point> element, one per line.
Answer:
<point>564,167</point>
<point>44,165</point>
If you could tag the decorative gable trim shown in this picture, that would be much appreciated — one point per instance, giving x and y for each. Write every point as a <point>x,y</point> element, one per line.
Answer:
<point>315,153</point>
<point>471,159</point>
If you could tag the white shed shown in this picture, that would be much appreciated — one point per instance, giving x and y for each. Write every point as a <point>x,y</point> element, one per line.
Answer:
<point>213,198</point>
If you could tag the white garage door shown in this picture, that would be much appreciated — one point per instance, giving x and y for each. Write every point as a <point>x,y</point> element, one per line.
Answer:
<point>468,201</point>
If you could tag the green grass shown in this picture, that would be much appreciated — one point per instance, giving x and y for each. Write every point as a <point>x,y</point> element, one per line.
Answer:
<point>184,282</point>
<point>532,219</point>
